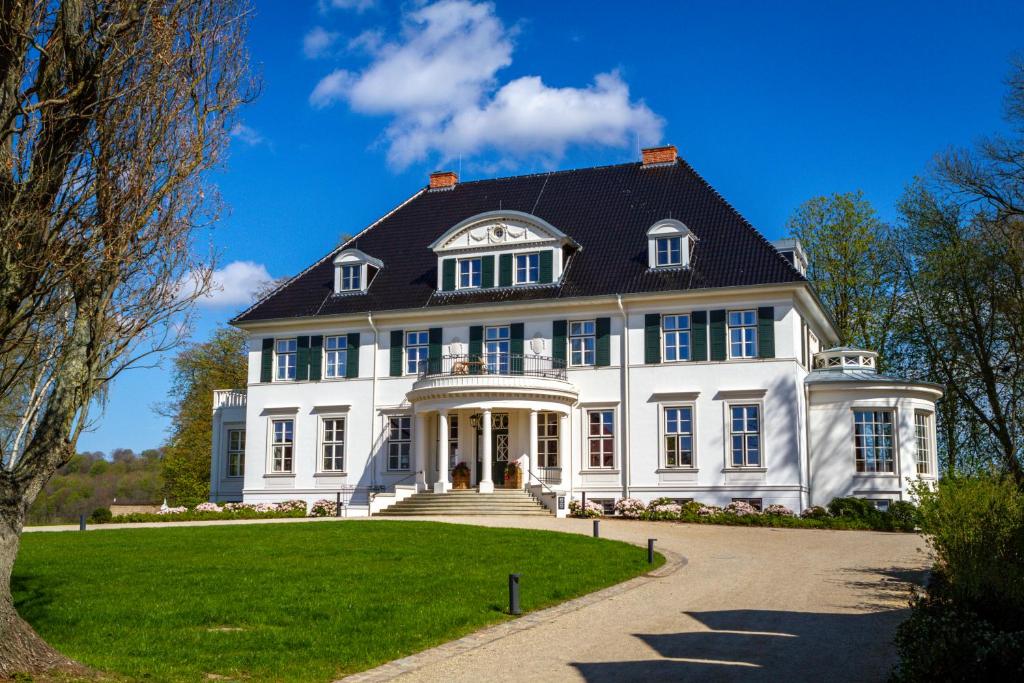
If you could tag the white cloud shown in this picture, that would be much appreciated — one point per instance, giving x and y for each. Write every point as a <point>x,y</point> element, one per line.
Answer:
<point>357,5</point>
<point>439,84</point>
<point>249,136</point>
<point>236,284</point>
<point>318,42</point>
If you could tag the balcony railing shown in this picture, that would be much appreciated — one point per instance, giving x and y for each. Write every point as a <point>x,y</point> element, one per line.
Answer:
<point>228,398</point>
<point>494,364</point>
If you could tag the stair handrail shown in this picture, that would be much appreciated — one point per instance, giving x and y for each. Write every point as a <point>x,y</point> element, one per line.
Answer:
<point>393,486</point>
<point>542,484</point>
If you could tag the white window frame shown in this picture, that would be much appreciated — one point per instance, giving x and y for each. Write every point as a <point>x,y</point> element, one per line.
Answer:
<point>333,443</point>
<point>453,438</point>
<point>291,351</point>
<point>665,232</point>
<point>417,347</point>
<point>287,452</point>
<point>503,344</point>
<point>582,336</point>
<point>230,451</point>
<point>668,242</point>
<point>351,277</point>
<point>547,421</point>
<point>925,431</point>
<point>752,328</point>
<point>392,441</point>
<point>678,333</point>
<point>664,434</point>
<point>589,437</point>
<point>470,272</point>
<point>893,446</point>
<point>339,352</point>
<point>762,462</point>
<point>536,268</point>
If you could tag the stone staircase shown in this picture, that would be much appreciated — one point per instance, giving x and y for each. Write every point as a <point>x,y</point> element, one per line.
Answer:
<point>455,503</point>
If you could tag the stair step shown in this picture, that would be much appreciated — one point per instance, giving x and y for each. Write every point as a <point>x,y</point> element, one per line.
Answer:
<point>467,503</point>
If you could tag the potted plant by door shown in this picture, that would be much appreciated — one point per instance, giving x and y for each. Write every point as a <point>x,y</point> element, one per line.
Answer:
<point>460,476</point>
<point>513,476</point>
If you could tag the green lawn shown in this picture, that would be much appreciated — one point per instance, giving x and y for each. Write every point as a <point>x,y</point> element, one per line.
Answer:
<point>291,602</point>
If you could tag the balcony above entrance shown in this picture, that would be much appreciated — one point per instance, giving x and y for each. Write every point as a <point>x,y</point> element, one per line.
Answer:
<point>504,376</point>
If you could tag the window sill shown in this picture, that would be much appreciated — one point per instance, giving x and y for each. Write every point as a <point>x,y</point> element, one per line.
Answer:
<point>760,470</point>
<point>339,473</point>
<point>398,471</point>
<point>875,475</point>
<point>676,470</point>
<point>599,471</point>
<point>279,475</point>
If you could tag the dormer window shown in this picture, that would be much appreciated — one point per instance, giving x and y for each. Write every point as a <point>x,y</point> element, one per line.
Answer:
<point>527,268</point>
<point>469,273</point>
<point>669,244</point>
<point>353,271</point>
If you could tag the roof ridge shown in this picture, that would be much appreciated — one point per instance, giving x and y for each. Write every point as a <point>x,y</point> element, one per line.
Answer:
<point>560,171</point>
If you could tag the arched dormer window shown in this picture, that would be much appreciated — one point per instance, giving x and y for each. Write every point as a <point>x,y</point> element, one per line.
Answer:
<point>669,244</point>
<point>353,271</point>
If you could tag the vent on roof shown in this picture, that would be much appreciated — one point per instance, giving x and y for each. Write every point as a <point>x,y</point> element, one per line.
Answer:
<point>443,179</point>
<point>666,154</point>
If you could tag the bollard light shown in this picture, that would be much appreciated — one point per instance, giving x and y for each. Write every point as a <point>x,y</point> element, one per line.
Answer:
<point>337,505</point>
<point>597,528</point>
<point>650,550</point>
<point>513,594</point>
<point>81,522</point>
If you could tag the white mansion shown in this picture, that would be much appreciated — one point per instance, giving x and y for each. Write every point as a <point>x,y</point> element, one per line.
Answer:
<point>614,331</point>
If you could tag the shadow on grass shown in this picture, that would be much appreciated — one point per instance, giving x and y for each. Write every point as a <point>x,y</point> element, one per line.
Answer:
<point>32,598</point>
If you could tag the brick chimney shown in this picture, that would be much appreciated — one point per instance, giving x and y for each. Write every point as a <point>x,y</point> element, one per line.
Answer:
<point>443,179</point>
<point>666,154</point>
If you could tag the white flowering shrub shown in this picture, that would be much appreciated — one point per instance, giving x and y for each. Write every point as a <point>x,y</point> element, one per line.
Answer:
<point>664,511</point>
<point>292,506</point>
<point>172,511</point>
<point>709,510</point>
<point>630,508</point>
<point>779,511</point>
<point>741,509</point>
<point>322,508</point>
<point>208,507</point>
<point>592,509</point>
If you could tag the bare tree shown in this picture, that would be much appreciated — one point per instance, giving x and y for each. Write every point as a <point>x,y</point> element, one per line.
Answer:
<point>110,113</point>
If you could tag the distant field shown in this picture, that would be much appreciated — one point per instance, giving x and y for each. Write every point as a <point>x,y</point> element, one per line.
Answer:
<point>291,602</point>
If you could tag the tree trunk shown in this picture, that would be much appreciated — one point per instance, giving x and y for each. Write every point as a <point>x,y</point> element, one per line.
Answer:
<point>22,650</point>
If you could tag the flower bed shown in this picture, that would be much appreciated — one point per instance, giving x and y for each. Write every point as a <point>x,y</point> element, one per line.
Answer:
<point>207,511</point>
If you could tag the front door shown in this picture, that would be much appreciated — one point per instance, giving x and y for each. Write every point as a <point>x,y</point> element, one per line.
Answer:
<point>499,448</point>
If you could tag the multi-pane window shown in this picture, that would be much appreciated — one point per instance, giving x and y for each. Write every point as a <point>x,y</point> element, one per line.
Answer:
<point>873,440</point>
<point>675,330</point>
<point>581,342</point>
<point>469,273</point>
<point>679,436</point>
<point>742,334</point>
<point>547,439</point>
<point>453,440</point>
<point>236,452</point>
<point>351,277</point>
<point>527,268</point>
<point>399,441</point>
<point>417,350</point>
<point>285,355</point>
<point>601,438</point>
<point>496,349</point>
<point>669,251</point>
<point>923,434</point>
<point>336,356</point>
<point>745,435</point>
<point>334,444</point>
<point>282,445</point>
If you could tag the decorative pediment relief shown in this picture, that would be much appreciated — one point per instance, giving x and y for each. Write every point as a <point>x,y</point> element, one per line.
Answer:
<point>499,229</point>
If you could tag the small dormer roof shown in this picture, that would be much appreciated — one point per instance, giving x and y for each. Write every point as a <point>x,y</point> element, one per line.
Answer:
<point>357,256</point>
<point>498,228</point>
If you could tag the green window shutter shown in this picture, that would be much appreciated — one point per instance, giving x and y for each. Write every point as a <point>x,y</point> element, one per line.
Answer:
<point>316,355</point>
<point>716,331</point>
<point>558,343</point>
<point>603,347</point>
<point>434,350</point>
<point>476,348</point>
<point>448,274</point>
<point>766,332</point>
<point>515,348</point>
<point>487,271</point>
<point>302,358</point>
<point>397,352</point>
<point>545,269</point>
<point>505,270</point>
<point>699,335</point>
<point>267,361</point>
<point>352,355</point>
<point>652,338</point>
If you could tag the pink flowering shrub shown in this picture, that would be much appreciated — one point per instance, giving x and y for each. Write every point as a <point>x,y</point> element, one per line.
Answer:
<point>709,510</point>
<point>322,508</point>
<point>592,509</point>
<point>815,512</point>
<point>292,506</point>
<point>741,509</point>
<point>664,511</point>
<point>208,507</point>
<point>630,508</point>
<point>778,511</point>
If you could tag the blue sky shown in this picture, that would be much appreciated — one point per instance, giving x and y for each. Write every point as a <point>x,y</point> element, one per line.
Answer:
<point>772,102</point>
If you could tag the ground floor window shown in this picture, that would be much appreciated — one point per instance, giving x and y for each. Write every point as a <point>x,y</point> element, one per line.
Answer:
<point>283,445</point>
<point>923,434</point>
<point>752,502</point>
<point>236,452</point>
<point>607,504</point>
<point>882,504</point>
<point>453,440</point>
<point>399,442</point>
<point>547,439</point>
<point>745,434</point>
<point>678,437</point>
<point>873,440</point>
<point>334,444</point>
<point>601,438</point>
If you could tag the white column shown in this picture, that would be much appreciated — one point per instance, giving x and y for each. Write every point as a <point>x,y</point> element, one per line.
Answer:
<point>443,484</point>
<point>533,446</point>
<point>420,450</point>
<point>564,459</point>
<point>486,485</point>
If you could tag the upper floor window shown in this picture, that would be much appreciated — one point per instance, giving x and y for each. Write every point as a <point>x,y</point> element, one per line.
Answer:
<point>745,435</point>
<point>582,340</point>
<point>282,443</point>
<point>236,452</point>
<point>336,356</point>
<point>923,435</point>
<point>601,438</point>
<point>742,334</point>
<point>469,273</point>
<point>676,335</point>
<point>669,243</point>
<point>527,268</point>
<point>496,349</point>
<point>350,277</point>
<point>873,440</point>
<point>669,251</point>
<point>417,350</point>
<point>285,350</point>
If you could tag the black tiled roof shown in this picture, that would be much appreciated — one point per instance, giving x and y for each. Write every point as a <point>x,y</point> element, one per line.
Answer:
<point>607,210</point>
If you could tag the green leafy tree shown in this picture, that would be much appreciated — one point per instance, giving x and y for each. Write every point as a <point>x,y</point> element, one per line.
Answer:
<point>199,369</point>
